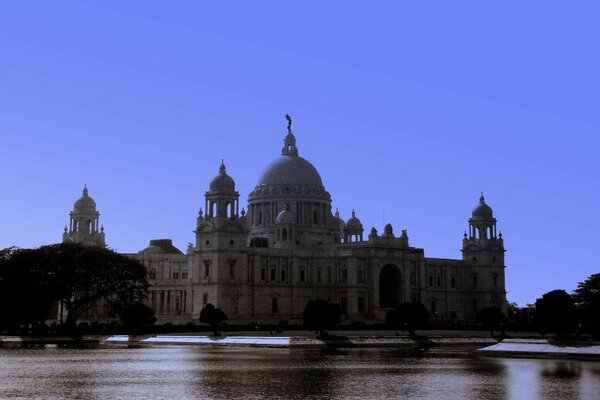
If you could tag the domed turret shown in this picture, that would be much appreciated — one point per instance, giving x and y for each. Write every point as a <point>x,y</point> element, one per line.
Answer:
<point>353,232</point>
<point>222,183</point>
<point>221,198</point>
<point>482,224</point>
<point>84,224</point>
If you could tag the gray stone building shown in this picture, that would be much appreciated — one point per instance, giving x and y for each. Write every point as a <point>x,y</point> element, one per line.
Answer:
<point>264,265</point>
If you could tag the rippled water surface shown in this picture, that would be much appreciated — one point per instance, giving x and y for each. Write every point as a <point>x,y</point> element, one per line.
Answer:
<point>252,373</point>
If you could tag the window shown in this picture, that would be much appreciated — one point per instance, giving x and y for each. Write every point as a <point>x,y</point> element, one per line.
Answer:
<point>205,299</point>
<point>344,305</point>
<point>232,269</point>
<point>302,275</point>
<point>439,281</point>
<point>361,305</point>
<point>273,274</point>
<point>433,307</point>
<point>152,274</point>
<point>283,275</point>
<point>319,276</point>
<point>206,268</point>
<point>361,274</point>
<point>431,281</point>
<point>474,305</point>
<point>453,282</point>
<point>315,218</point>
<point>343,274</point>
<point>274,305</point>
<point>263,274</point>
<point>474,281</point>
<point>175,275</point>
<point>184,275</point>
<point>413,278</point>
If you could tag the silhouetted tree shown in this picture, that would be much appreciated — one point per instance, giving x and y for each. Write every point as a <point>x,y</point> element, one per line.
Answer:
<point>407,316</point>
<point>77,276</point>
<point>491,317</point>
<point>321,315</point>
<point>587,298</point>
<point>213,316</point>
<point>26,291</point>
<point>136,315</point>
<point>556,312</point>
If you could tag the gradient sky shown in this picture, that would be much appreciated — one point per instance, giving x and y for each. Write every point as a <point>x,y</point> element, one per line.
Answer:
<point>407,111</point>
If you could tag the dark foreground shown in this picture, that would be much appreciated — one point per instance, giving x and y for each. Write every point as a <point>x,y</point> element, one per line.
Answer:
<point>187,372</point>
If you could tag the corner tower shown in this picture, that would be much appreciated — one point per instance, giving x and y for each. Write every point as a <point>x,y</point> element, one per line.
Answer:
<point>84,223</point>
<point>292,184</point>
<point>483,244</point>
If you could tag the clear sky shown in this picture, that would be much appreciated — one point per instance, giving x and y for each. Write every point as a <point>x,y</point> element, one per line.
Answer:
<point>408,111</point>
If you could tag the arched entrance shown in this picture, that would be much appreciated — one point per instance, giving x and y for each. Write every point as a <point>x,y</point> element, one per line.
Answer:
<point>389,286</point>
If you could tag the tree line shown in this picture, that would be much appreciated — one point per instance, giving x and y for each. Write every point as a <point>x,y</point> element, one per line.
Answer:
<point>65,282</point>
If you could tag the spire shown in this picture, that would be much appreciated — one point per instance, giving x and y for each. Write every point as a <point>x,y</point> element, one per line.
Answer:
<point>481,199</point>
<point>222,167</point>
<point>289,143</point>
<point>85,190</point>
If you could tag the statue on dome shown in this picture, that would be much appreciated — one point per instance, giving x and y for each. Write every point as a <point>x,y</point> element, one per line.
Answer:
<point>289,120</point>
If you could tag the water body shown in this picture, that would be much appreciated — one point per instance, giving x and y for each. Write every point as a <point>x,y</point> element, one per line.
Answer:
<point>187,372</point>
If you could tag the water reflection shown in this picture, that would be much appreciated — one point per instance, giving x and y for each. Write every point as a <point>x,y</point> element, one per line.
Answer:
<point>252,373</point>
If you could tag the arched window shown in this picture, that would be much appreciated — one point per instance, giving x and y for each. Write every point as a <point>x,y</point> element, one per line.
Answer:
<point>213,209</point>
<point>284,236</point>
<point>229,210</point>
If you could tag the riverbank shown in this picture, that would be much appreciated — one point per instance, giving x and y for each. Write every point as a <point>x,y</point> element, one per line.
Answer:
<point>542,348</point>
<point>471,341</point>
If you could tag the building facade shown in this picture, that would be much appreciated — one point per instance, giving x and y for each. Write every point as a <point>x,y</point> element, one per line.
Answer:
<point>264,265</point>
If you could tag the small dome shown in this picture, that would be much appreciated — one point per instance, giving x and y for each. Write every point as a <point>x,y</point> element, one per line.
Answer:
<point>338,220</point>
<point>482,211</point>
<point>161,246</point>
<point>353,222</point>
<point>85,203</point>
<point>286,217</point>
<point>222,183</point>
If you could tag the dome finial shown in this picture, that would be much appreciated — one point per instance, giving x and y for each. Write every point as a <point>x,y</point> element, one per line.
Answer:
<point>222,167</point>
<point>289,143</point>
<point>85,189</point>
<point>481,199</point>
<point>353,214</point>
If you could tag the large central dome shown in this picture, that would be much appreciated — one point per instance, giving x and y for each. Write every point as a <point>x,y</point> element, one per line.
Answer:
<point>290,170</point>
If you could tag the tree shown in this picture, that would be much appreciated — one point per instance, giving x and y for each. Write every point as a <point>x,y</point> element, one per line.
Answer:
<point>587,298</point>
<point>136,315</point>
<point>76,276</point>
<point>321,315</point>
<point>27,294</point>
<point>490,317</point>
<point>556,312</point>
<point>409,316</point>
<point>213,316</point>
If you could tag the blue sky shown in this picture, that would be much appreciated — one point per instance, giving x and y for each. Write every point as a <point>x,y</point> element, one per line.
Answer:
<point>408,111</point>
